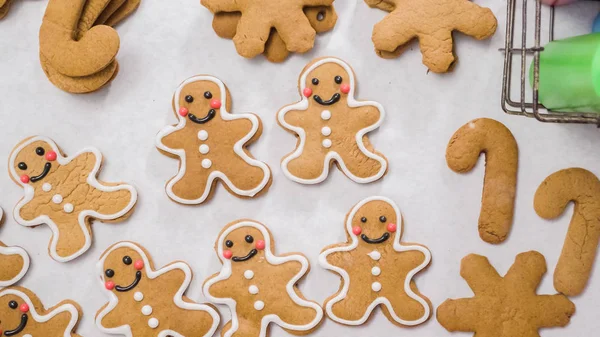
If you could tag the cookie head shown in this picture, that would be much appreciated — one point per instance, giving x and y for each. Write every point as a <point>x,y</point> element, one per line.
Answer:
<point>200,99</point>
<point>326,83</point>
<point>34,162</point>
<point>243,244</point>
<point>375,223</point>
<point>14,315</point>
<point>123,270</point>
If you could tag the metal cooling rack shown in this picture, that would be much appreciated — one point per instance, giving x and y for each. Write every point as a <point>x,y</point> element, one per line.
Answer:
<point>527,104</point>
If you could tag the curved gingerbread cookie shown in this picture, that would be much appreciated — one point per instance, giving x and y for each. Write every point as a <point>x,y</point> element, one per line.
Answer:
<point>331,126</point>
<point>322,19</point>
<point>14,263</point>
<point>211,144</point>
<point>64,193</point>
<point>4,7</point>
<point>22,314</point>
<point>505,306</point>
<point>491,137</point>
<point>258,286</point>
<point>149,302</point>
<point>375,268</point>
<point>260,16</point>
<point>579,251</point>
<point>432,23</point>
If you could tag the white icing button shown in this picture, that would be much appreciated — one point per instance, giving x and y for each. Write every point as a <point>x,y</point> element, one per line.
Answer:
<point>204,149</point>
<point>27,335</point>
<point>376,286</point>
<point>326,115</point>
<point>259,305</point>
<point>253,290</point>
<point>206,163</point>
<point>249,274</point>
<point>376,271</point>
<point>146,310</point>
<point>202,135</point>
<point>375,255</point>
<point>46,187</point>
<point>326,131</point>
<point>138,296</point>
<point>57,198</point>
<point>153,323</point>
<point>68,208</point>
<point>326,143</point>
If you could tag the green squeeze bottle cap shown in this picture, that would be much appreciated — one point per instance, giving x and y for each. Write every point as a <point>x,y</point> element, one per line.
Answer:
<point>570,74</point>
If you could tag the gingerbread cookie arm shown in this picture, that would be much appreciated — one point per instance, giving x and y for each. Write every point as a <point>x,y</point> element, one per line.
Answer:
<point>87,56</point>
<point>450,313</point>
<point>397,23</point>
<point>251,37</point>
<point>581,244</point>
<point>475,20</point>
<point>216,6</point>
<point>299,36</point>
<point>500,183</point>
<point>479,274</point>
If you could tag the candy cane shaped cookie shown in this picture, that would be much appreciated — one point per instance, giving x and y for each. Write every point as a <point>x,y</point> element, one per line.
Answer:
<point>579,251</point>
<point>500,183</point>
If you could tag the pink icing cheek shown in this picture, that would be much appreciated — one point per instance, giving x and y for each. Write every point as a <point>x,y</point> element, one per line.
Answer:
<point>139,264</point>
<point>24,308</point>
<point>50,156</point>
<point>260,244</point>
<point>345,88</point>
<point>215,104</point>
<point>183,112</point>
<point>227,254</point>
<point>307,92</point>
<point>391,227</point>
<point>25,179</point>
<point>109,285</point>
<point>356,230</point>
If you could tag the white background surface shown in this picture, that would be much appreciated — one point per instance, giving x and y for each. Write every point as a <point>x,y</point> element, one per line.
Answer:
<point>166,42</point>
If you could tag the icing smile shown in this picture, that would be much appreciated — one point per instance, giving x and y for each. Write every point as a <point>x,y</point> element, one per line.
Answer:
<point>245,258</point>
<point>138,277</point>
<point>20,328</point>
<point>211,114</point>
<point>44,173</point>
<point>334,99</point>
<point>381,239</point>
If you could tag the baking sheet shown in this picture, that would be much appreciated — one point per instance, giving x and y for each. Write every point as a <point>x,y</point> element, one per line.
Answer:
<point>166,42</point>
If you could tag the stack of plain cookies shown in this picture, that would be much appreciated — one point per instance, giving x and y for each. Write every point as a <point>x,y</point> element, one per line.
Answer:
<point>78,45</point>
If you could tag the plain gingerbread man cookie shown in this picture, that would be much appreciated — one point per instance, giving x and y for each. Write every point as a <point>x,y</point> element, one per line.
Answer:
<point>376,268</point>
<point>14,263</point>
<point>64,193</point>
<point>22,314</point>
<point>210,144</point>
<point>258,286</point>
<point>331,126</point>
<point>148,302</point>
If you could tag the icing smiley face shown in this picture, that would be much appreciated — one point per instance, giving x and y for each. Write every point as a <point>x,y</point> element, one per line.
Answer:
<point>200,109</point>
<point>34,162</point>
<point>124,269</point>
<point>243,244</point>
<point>375,223</point>
<point>14,315</point>
<point>325,89</point>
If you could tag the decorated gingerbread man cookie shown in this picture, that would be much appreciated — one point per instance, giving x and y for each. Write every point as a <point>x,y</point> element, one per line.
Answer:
<point>258,286</point>
<point>64,193</point>
<point>22,314</point>
<point>211,144</point>
<point>14,263</point>
<point>375,268</point>
<point>331,126</point>
<point>148,302</point>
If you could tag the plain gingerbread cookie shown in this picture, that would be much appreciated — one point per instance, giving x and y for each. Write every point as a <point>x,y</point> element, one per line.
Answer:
<point>331,127</point>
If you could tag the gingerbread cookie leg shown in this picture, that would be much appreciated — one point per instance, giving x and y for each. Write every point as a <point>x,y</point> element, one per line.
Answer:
<point>244,176</point>
<point>362,161</point>
<point>14,263</point>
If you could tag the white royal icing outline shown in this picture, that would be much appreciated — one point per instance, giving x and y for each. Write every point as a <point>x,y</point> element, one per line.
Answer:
<point>379,300</point>
<point>226,271</point>
<point>331,155</point>
<point>238,148</point>
<point>14,250</point>
<point>91,180</point>
<point>178,298</point>
<point>67,307</point>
